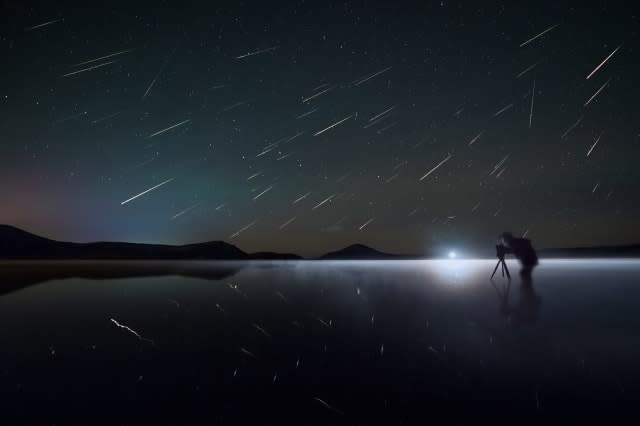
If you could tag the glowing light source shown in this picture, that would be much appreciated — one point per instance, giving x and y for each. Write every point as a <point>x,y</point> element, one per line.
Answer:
<point>452,254</point>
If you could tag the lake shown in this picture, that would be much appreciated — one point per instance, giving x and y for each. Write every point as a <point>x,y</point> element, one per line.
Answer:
<point>318,342</point>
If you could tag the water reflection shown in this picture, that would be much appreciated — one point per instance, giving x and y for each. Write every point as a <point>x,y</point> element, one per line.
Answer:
<point>527,306</point>
<point>21,274</point>
<point>457,271</point>
<point>380,341</point>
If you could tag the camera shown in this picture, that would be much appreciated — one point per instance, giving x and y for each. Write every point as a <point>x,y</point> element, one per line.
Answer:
<point>501,250</point>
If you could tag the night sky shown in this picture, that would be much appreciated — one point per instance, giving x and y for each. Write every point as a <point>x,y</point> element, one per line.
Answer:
<point>226,109</point>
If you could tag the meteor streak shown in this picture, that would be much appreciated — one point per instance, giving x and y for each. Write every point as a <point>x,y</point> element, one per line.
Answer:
<point>386,111</point>
<point>594,144</point>
<point>290,138</point>
<point>332,126</point>
<point>387,127</point>
<point>364,225</point>
<point>305,100</point>
<point>287,222</point>
<point>502,110</point>
<point>148,190</point>
<point>257,52</point>
<point>246,352</point>
<point>162,67</point>
<point>254,175</point>
<point>266,151</point>
<point>539,35</point>
<point>400,165</point>
<point>472,141</point>
<point>369,77</point>
<point>527,70</point>
<point>122,52</point>
<point>284,156</point>
<point>35,27</point>
<point>306,113</point>
<point>323,201</point>
<point>262,193</point>
<point>146,92</point>
<point>71,117</point>
<point>328,406</point>
<point>373,123</point>
<point>236,105</point>
<point>261,330</point>
<point>301,198</point>
<point>392,178</point>
<point>436,167</point>
<point>499,165</point>
<point>88,69</point>
<point>232,236</point>
<point>573,126</point>
<point>320,87</point>
<point>187,210</point>
<point>606,83</point>
<point>533,96</point>
<point>603,62</point>
<point>98,120</point>
<point>159,132</point>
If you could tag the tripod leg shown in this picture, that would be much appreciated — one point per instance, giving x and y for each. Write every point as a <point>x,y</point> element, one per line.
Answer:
<point>506,269</point>
<point>495,269</point>
<point>502,267</point>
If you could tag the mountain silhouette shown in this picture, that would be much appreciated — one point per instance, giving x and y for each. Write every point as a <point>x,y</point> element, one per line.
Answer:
<point>18,244</point>
<point>361,252</point>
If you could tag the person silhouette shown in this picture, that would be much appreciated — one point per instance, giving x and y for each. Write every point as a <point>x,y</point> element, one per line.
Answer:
<point>524,252</point>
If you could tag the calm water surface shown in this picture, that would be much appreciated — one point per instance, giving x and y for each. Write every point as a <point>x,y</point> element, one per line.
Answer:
<point>393,342</point>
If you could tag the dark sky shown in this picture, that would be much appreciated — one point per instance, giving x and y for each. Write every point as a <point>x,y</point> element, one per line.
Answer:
<point>79,128</point>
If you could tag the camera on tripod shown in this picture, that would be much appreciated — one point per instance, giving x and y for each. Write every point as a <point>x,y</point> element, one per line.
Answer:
<point>501,251</point>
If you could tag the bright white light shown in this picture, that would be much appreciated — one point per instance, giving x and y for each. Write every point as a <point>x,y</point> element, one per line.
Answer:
<point>452,254</point>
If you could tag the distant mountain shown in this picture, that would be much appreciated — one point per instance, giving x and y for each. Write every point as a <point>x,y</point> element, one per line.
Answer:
<point>18,244</point>
<point>360,252</point>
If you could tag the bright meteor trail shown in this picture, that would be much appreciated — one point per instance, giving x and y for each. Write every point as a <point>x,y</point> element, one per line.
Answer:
<point>435,168</point>
<point>603,62</point>
<point>606,83</point>
<point>539,35</point>
<point>321,203</point>
<point>35,27</point>
<point>257,52</point>
<point>88,69</point>
<point>241,230</point>
<point>148,190</point>
<point>594,144</point>
<point>332,126</point>
<point>122,52</point>
<point>159,132</point>
<point>369,77</point>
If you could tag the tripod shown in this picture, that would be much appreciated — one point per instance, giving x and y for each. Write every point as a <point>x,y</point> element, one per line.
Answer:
<point>504,268</point>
